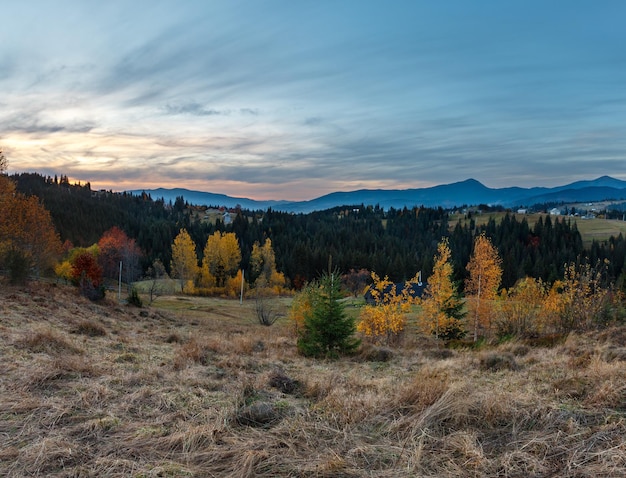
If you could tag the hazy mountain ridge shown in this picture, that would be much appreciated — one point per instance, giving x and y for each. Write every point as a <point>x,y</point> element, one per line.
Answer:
<point>468,192</point>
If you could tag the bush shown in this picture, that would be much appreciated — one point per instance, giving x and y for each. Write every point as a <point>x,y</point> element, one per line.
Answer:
<point>134,299</point>
<point>265,310</point>
<point>91,291</point>
<point>18,265</point>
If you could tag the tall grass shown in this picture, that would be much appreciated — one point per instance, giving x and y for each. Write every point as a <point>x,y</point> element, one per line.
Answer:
<point>173,393</point>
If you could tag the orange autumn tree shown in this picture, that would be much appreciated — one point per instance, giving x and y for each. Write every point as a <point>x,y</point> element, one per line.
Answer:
<point>115,247</point>
<point>442,306</point>
<point>485,274</point>
<point>28,239</point>
<point>386,318</point>
<point>87,273</point>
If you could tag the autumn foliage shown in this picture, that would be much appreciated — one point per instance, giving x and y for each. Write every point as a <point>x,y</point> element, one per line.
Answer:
<point>485,274</point>
<point>442,306</point>
<point>86,270</point>
<point>386,318</point>
<point>263,264</point>
<point>115,246</point>
<point>522,309</point>
<point>185,261</point>
<point>222,257</point>
<point>28,239</point>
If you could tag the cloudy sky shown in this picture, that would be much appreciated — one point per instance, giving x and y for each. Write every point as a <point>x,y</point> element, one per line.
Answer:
<point>283,99</point>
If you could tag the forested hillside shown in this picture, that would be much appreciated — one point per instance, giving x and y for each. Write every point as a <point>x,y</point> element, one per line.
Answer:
<point>397,243</point>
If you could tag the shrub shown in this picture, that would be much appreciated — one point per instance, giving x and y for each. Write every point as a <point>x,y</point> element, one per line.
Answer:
<point>134,299</point>
<point>265,310</point>
<point>18,265</point>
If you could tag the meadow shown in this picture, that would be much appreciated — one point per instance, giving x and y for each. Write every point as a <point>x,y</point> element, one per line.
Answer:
<point>195,386</point>
<point>598,229</point>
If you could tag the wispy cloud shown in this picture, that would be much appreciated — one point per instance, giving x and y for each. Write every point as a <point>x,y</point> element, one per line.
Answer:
<point>291,100</point>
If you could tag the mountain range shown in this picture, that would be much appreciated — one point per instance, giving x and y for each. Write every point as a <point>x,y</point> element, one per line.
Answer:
<point>468,192</point>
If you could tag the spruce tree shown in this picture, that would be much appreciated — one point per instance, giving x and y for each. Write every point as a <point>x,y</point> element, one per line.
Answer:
<point>328,331</point>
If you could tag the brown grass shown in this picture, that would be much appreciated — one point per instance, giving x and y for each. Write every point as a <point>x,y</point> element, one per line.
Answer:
<point>196,387</point>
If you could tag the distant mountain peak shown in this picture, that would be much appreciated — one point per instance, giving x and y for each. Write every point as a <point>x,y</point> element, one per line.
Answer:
<point>467,192</point>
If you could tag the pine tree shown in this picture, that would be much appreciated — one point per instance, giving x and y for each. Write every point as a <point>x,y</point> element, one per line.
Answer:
<point>328,331</point>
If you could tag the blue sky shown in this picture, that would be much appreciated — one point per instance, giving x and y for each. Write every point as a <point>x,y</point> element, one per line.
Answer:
<point>285,99</point>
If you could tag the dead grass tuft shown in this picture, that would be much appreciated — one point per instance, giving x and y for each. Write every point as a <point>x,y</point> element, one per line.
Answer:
<point>52,374</point>
<point>496,361</point>
<point>375,353</point>
<point>193,352</point>
<point>90,328</point>
<point>278,379</point>
<point>173,338</point>
<point>48,340</point>
<point>439,354</point>
<point>612,354</point>
<point>424,390</point>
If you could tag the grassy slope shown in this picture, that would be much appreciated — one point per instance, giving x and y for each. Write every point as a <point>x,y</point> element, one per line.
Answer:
<point>106,390</point>
<point>590,229</point>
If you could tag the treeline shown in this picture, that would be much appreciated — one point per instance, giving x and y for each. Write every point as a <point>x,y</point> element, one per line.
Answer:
<point>395,243</point>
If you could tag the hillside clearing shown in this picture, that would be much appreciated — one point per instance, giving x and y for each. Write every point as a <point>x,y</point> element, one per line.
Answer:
<point>194,387</point>
<point>597,229</point>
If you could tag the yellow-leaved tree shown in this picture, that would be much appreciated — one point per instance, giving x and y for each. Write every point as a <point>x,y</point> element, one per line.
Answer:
<point>184,264</point>
<point>521,308</point>
<point>221,260</point>
<point>577,302</point>
<point>263,263</point>
<point>485,275</point>
<point>302,305</point>
<point>386,317</point>
<point>442,306</point>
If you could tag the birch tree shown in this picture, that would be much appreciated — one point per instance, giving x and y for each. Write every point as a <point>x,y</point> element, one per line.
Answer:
<point>485,275</point>
<point>442,306</point>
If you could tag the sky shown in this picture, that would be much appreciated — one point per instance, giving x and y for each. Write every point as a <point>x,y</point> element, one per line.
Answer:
<point>283,99</point>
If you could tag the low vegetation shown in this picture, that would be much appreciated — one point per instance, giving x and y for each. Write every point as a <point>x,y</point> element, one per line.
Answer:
<point>196,386</point>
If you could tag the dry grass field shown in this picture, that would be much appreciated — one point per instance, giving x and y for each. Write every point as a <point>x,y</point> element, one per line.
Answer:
<point>195,387</point>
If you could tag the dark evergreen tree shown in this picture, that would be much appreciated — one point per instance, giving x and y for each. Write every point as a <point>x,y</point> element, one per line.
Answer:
<point>328,331</point>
